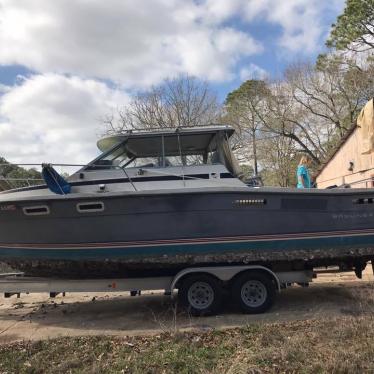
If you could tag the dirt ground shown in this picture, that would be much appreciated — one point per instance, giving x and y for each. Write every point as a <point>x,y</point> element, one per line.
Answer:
<point>36,316</point>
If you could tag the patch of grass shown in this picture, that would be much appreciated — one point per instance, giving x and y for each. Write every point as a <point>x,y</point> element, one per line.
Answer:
<point>341,345</point>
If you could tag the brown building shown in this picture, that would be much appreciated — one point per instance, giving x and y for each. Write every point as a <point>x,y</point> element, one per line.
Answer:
<point>352,163</point>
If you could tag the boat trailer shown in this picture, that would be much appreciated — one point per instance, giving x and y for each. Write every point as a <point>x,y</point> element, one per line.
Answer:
<point>201,289</point>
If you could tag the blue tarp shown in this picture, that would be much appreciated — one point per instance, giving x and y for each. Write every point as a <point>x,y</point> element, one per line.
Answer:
<point>55,182</point>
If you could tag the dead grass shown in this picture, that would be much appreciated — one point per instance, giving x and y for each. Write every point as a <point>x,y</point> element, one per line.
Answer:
<point>344,345</point>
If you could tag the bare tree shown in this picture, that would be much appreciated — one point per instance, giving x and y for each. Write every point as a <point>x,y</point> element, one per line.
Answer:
<point>278,159</point>
<point>332,93</point>
<point>281,117</point>
<point>183,101</point>
<point>315,106</point>
<point>241,107</point>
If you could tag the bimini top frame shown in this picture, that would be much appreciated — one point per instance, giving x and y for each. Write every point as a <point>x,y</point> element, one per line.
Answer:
<point>107,143</point>
<point>164,147</point>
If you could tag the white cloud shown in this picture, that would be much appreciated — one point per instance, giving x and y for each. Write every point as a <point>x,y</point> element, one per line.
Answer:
<point>121,40</point>
<point>300,20</point>
<point>229,45</point>
<point>53,118</point>
<point>53,115</point>
<point>252,71</point>
<point>218,11</point>
<point>140,43</point>
<point>4,88</point>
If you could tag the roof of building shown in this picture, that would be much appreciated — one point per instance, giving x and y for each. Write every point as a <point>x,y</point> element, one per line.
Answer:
<point>365,119</point>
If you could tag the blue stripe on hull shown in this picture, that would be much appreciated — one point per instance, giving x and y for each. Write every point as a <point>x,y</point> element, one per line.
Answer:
<point>84,254</point>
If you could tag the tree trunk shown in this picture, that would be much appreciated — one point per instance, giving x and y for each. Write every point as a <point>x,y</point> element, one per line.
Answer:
<point>254,152</point>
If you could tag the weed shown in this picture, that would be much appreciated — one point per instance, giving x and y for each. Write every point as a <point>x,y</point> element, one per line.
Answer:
<point>340,345</point>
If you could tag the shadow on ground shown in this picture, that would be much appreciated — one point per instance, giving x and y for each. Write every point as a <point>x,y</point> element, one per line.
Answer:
<point>38,317</point>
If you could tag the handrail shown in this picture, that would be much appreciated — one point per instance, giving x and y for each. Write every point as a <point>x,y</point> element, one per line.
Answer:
<point>67,165</point>
<point>11,183</point>
<point>15,182</point>
<point>20,179</point>
<point>357,182</point>
<point>40,164</point>
<point>183,175</point>
<point>346,175</point>
<point>210,126</point>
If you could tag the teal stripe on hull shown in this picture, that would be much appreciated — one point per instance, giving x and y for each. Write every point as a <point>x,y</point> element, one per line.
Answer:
<point>83,254</point>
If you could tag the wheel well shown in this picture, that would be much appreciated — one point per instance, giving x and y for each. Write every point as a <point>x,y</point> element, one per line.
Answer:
<point>194,274</point>
<point>267,273</point>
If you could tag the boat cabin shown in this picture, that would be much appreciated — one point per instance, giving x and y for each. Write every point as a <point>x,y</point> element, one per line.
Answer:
<point>195,157</point>
<point>183,146</point>
<point>164,158</point>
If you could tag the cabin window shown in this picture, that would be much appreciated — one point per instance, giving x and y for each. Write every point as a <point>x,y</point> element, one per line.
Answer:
<point>95,206</point>
<point>145,162</point>
<point>110,160</point>
<point>37,210</point>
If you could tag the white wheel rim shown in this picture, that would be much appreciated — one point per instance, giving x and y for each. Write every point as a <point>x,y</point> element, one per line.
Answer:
<point>200,295</point>
<point>253,293</point>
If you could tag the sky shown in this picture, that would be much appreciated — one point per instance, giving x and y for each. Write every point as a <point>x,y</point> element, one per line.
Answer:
<point>65,64</point>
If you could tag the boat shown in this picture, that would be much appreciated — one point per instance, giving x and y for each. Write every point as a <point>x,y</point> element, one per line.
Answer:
<point>157,201</point>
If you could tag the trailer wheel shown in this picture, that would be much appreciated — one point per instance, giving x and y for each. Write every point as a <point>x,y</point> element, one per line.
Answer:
<point>254,292</point>
<point>201,294</point>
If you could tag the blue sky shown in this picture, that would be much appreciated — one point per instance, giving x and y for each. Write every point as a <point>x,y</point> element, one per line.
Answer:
<point>64,64</point>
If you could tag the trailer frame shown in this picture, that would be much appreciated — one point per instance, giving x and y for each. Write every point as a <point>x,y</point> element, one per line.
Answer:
<point>224,276</point>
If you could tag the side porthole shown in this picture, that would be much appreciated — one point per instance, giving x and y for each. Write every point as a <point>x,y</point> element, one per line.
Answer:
<point>37,210</point>
<point>91,207</point>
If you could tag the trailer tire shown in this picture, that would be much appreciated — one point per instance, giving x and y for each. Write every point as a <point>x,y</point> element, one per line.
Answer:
<point>201,294</point>
<point>254,292</point>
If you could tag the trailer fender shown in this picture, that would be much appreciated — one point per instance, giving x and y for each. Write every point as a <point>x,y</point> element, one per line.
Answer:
<point>224,273</point>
